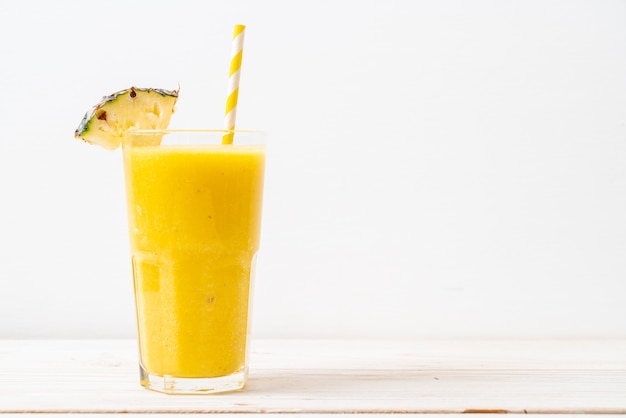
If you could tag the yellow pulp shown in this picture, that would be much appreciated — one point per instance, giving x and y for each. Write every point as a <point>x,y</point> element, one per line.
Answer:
<point>194,220</point>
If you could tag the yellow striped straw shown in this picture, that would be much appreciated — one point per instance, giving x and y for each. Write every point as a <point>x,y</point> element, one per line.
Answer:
<point>233,83</point>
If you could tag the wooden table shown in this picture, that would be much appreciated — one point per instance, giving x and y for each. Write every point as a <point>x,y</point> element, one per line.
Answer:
<point>301,376</point>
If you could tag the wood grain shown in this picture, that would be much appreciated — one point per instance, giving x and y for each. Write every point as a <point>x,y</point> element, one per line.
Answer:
<point>300,376</point>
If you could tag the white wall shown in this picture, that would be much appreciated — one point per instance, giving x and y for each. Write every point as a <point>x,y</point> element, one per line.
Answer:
<point>449,168</point>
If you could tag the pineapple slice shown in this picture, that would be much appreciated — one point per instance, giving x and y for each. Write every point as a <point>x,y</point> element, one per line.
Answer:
<point>134,108</point>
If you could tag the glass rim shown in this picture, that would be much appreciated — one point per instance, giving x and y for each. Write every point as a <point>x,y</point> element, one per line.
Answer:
<point>194,131</point>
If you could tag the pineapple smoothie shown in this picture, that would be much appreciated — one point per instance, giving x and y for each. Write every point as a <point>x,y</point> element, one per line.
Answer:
<point>194,201</point>
<point>194,214</point>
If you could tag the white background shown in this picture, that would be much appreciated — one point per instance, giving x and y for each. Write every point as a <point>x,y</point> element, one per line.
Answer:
<point>436,168</point>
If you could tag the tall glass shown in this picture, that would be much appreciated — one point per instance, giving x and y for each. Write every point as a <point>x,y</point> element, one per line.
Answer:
<point>194,218</point>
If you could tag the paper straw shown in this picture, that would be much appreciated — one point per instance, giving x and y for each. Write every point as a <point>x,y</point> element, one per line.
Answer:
<point>233,83</point>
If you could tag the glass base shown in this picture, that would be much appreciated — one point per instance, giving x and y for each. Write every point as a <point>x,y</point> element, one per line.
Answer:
<point>192,386</point>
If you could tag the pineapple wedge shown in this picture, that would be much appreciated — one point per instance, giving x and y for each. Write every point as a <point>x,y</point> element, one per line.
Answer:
<point>134,108</point>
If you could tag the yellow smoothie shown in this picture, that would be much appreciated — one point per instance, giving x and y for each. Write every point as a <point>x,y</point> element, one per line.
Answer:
<point>194,220</point>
